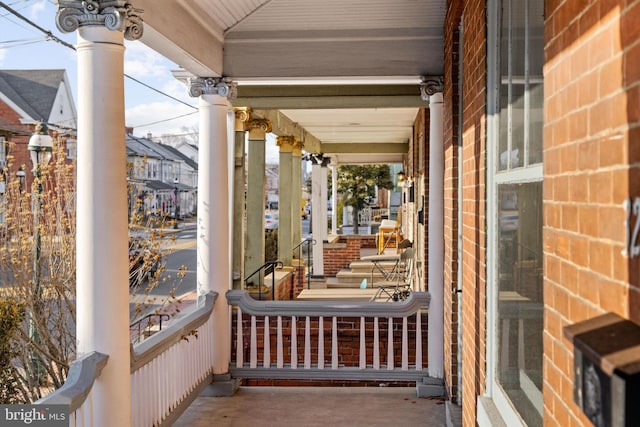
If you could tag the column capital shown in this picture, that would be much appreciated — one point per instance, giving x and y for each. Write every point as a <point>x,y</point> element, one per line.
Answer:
<point>286,143</point>
<point>221,86</point>
<point>118,15</point>
<point>258,128</point>
<point>431,85</point>
<point>243,115</point>
<point>297,148</point>
<point>319,159</point>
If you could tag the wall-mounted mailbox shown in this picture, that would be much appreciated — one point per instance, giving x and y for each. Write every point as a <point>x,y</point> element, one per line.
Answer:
<point>606,359</point>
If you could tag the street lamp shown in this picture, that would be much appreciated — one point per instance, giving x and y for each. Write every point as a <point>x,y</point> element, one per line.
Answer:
<point>41,149</point>
<point>21,174</point>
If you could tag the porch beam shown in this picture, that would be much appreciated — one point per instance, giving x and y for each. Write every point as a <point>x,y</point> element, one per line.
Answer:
<point>359,147</point>
<point>283,125</point>
<point>198,50</point>
<point>330,96</point>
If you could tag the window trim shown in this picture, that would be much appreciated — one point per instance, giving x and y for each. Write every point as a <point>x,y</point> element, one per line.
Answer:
<point>494,398</point>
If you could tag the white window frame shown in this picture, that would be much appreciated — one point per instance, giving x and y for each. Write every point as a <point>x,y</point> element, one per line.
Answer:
<point>494,398</point>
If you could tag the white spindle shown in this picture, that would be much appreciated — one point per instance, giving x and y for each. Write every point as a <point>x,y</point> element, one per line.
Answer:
<point>321,342</point>
<point>253,357</point>
<point>280,356</point>
<point>307,343</point>
<point>418,341</point>
<point>294,344</point>
<point>390,345</point>
<point>334,343</point>
<point>363,345</point>
<point>405,345</point>
<point>267,344</point>
<point>376,344</point>
<point>239,343</point>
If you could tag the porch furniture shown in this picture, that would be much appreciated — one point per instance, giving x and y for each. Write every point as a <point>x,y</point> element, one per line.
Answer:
<point>389,235</point>
<point>399,286</point>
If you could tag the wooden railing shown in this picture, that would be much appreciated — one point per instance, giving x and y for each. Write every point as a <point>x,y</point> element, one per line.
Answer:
<point>316,340</point>
<point>171,368</point>
<point>168,371</point>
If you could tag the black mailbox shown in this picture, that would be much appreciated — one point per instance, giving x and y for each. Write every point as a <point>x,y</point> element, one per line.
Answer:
<point>606,367</point>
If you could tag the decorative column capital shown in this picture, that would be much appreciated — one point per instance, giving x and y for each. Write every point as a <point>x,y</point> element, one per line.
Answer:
<point>430,86</point>
<point>286,143</point>
<point>258,128</point>
<point>116,15</point>
<point>221,86</point>
<point>319,159</point>
<point>243,115</point>
<point>297,148</point>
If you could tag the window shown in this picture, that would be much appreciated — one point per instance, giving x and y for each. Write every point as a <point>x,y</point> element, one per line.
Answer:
<point>515,209</point>
<point>3,152</point>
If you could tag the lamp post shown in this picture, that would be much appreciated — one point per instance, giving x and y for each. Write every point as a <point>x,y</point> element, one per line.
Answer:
<point>40,149</point>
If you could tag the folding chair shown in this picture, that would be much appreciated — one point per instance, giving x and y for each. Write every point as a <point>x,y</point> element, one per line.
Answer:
<point>399,289</point>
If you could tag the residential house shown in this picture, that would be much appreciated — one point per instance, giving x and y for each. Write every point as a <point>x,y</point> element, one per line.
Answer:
<point>515,121</point>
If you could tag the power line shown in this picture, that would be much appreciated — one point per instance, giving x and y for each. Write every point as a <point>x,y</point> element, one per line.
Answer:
<point>33,24</point>
<point>50,36</point>
<point>166,120</point>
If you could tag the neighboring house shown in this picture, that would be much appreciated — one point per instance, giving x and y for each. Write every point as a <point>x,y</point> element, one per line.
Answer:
<point>27,96</point>
<point>189,150</point>
<point>160,176</point>
<point>271,186</point>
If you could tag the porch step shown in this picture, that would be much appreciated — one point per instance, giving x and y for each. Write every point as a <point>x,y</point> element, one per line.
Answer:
<point>350,279</point>
<point>430,387</point>
<point>368,266</point>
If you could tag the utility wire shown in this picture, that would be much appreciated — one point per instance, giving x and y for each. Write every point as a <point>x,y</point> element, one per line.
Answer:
<point>50,36</point>
<point>33,24</point>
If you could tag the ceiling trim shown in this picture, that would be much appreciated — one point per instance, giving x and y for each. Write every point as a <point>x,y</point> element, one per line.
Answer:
<point>365,148</point>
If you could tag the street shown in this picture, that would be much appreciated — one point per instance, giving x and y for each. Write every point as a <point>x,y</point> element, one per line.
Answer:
<point>180,259</point>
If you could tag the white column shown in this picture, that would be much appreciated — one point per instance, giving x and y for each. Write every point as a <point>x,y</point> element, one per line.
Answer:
<point>238,230</point>
<point>285,198</point>
<point>296,205</point>
<point>102,262</point>
<point>213,243</point>
<point>254,238</point>
<point>323,200</point>
<point>334,199</point>
<point>435,251</point>
<point>316,219</point>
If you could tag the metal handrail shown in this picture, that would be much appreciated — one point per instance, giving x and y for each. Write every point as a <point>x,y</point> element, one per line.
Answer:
<point>149,324</point>
<point>267,268</point>
<point>308,242</point>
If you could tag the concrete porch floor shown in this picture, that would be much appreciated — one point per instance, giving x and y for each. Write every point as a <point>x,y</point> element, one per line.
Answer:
<point>316,406</point>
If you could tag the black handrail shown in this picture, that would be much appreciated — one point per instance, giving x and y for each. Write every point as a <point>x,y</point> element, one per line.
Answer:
<point>138,323</point>
<point>308,242</point>
<point>268,267</point>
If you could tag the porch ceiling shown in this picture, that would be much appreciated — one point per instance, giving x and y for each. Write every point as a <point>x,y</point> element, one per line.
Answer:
<point>346,71</point>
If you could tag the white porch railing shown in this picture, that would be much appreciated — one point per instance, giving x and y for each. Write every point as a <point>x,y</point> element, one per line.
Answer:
<point>317,340</point>
<point>168,371</point>
<point>368,215</point>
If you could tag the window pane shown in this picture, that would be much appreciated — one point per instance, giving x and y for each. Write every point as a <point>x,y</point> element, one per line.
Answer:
<point>520,297</point>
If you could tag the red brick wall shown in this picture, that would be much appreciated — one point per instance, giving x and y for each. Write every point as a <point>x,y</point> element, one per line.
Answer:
<point>451,117</point>
<point>473,175</point>
<point>340,254</point>
<point>591,165</point>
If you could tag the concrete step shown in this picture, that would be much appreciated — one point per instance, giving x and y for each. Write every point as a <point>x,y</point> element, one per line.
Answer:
<point>430,387</point>
<point>349,276</point>
<point>368,266</point>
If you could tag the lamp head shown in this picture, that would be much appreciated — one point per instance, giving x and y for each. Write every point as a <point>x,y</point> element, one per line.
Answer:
<point>40,145</point>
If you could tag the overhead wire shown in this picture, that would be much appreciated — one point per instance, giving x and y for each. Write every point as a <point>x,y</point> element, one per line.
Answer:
<point>51,36</point>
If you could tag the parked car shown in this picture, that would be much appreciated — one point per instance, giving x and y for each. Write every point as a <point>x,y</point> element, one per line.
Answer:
<point>270,221</point>
<point>144,261</point>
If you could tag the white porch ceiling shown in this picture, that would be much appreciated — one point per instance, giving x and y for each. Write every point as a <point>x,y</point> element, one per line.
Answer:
<point>347,71</point>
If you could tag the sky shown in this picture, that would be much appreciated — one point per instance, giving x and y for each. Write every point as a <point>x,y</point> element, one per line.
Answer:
<point>24,47</point>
